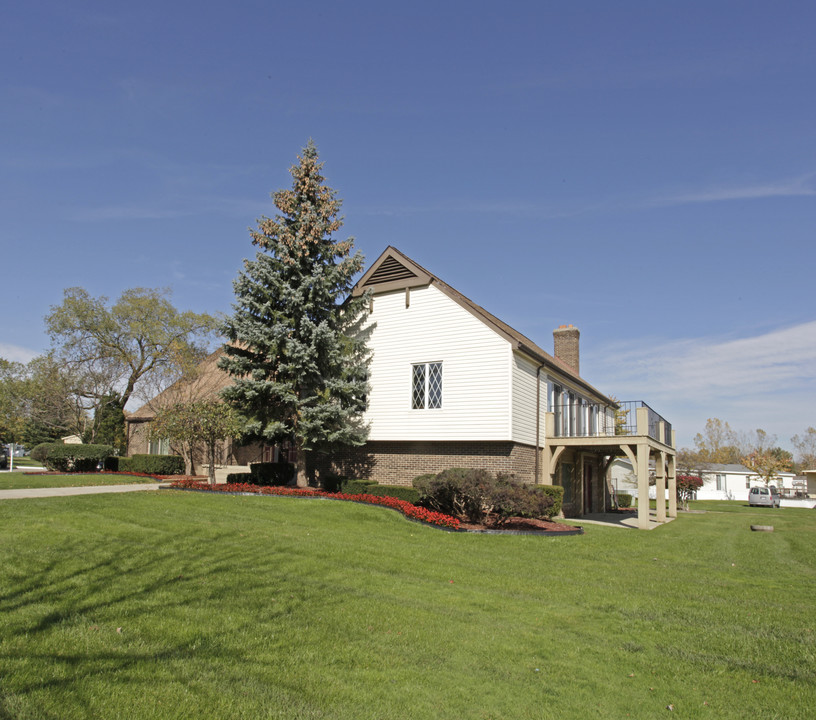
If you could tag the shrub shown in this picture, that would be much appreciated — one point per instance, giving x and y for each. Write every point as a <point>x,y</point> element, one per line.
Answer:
<point>331,483</point>
<point>474,494</point>
<point>239,478</point>
<point>40,452</point>
<point>401,492</point>
<point>270,474</point>
<point>76,458</point>
<point>124,464</point>
<point>556,492</point>
<point>624,500</point>
<point>154,464</point>
<point>355,487</point>
<point>510,498</point>
<point>460,492</point>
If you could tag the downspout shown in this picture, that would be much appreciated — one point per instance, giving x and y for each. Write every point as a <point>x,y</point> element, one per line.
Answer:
<point>538,425</point>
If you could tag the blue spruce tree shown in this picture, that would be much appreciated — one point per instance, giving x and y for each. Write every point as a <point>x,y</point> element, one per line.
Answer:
<point>296,349</point>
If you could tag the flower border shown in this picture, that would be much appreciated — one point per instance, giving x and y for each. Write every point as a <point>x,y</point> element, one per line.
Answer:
<point>412,512</point>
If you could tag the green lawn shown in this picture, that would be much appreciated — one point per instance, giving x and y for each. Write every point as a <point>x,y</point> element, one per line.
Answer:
<point>22,480</point>
<point>190,605</point>
<point>25,461</point>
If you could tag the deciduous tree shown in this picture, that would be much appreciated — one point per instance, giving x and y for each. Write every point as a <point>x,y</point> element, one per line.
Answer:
<point>767,463</point>
<point>718,443</point>
<point>39,401</point>
<point>140,341</point>
<point>296,352</point>
<point>687,485</point>
<point>205,422</point>
<point>805,446</point>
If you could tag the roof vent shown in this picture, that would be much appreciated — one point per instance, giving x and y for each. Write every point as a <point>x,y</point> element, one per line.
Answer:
<point>390,270</point>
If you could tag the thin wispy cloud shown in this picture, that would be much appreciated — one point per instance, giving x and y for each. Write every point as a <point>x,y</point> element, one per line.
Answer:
<point>15,353</point>
<point>773,361</point>
<point>794,187</point>
<point>767,380</point>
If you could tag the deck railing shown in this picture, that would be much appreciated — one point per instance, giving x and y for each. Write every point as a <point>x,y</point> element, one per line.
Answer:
<point>583,419</point>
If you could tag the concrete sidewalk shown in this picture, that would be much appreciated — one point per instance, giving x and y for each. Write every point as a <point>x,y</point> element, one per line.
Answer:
<point>65,491</point>
<point>621,520</point>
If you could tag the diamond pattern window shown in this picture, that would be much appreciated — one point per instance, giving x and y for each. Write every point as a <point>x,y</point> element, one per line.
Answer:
<point>426,386</point>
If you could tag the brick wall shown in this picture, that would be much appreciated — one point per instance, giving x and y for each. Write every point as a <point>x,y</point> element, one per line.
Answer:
<point>566,345</point>
<point>398,463</point>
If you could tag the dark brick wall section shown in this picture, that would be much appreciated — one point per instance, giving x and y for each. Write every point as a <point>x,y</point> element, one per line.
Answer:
<point>398,463</point>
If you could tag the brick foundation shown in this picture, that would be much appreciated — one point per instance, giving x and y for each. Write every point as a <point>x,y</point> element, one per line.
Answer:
<point>398,463</point>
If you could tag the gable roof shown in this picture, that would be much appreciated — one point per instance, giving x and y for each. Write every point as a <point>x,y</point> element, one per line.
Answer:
<point>394,270</point>
<point>204,384</point>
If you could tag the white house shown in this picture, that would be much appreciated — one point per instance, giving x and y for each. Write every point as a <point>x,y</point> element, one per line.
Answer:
<point>733,481</point>
<point>454,386</point>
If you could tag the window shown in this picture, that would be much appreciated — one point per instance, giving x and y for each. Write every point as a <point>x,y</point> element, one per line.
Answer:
<point>426,386</point>
<point>720,482</point>
<point>159,446</point>
<point>556,406</point>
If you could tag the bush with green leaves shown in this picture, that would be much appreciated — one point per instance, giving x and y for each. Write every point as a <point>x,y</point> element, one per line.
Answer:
<point>556,492</point>
<point>153,464</point>
<point>624,500</point>
<point>401,492</point>
<point>269,473</point>
<point>461,492</point>
<point>40,452</point>
<point>76,458</point>
<point>508,497</point>
<point>241,477</point>
<point>356,487</point>
<point>350,486</point>
<point>474,495</point>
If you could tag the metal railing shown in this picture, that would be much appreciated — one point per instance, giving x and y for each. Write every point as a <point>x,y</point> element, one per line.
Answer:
<point>583,419</point>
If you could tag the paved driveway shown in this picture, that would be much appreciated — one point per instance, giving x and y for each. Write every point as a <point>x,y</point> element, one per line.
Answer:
<point>60,492</point>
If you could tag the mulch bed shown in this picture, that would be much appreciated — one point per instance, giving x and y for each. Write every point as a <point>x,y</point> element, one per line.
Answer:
<point>524,526</point>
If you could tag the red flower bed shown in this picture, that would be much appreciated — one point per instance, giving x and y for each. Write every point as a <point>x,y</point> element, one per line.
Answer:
<point>403,506</point>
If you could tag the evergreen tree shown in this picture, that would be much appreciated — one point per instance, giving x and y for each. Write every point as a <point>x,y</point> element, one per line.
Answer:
<point>296,349</point>
<point>109,423</point>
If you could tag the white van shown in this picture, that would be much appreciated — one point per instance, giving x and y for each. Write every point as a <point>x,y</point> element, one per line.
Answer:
<point>764,496</point>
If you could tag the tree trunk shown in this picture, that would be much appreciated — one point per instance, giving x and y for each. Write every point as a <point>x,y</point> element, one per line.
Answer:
<point>211,453</point>
<point>301,476</point>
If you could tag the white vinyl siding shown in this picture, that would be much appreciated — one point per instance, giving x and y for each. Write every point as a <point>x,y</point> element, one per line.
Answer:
<point>476,370</point>
<point>524,401</point>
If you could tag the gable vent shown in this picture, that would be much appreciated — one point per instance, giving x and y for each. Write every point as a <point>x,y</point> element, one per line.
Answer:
<point>389,271</point>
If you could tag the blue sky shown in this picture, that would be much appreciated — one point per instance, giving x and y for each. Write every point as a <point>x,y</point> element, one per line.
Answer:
<point>643,170</point>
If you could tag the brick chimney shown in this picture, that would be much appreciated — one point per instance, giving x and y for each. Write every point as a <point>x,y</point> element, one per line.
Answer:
<point>565,345</point>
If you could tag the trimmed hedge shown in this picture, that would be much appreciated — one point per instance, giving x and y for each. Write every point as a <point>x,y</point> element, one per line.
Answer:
<point>350,486</point>
<point>624,500</point>
<point>241,477</point>
<point>40,452</point>
<point>75,458</point>
<point>357,487</point>
<point>401,492</point>
<point>271,474</point>
<point>153,464</point>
